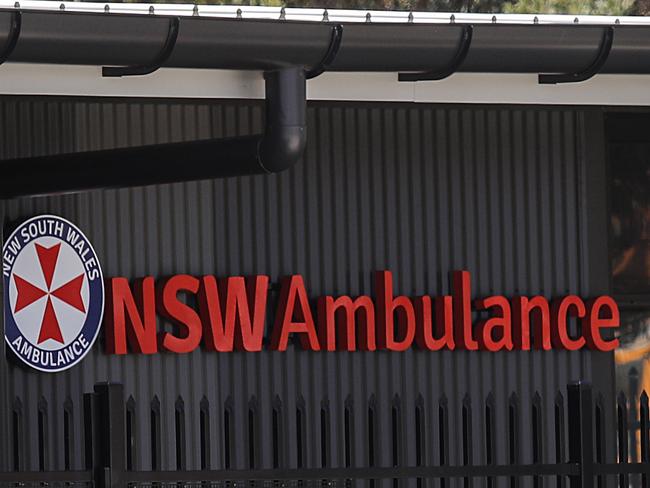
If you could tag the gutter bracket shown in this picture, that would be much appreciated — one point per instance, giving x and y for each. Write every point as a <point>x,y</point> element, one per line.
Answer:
<point>330,54</point>
<point>454,65</point>
<point>12,37</point>
<point>592,70</point>
<point>158,61</point>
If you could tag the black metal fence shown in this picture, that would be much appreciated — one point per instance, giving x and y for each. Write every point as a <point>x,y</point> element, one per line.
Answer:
<point>580,453</point>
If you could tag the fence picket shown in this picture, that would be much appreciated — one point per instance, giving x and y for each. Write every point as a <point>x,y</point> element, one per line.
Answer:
<point>490,445</point>
<point>204,433</point>
<point>600,436</point>
<point>644,422</point>
<point>513,435</point>
<point>581,438</point>
<point>537,434</point>
<point>621,417</point>
<point>443,433</point>
<point>560,438</point>
<point>42,434</point>
<point>17,432</point>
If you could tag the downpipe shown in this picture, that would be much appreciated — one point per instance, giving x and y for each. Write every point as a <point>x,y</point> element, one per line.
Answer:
<point>280,146</point>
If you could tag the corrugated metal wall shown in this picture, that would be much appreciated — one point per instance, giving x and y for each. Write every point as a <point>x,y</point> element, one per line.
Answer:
<point>420,190</point>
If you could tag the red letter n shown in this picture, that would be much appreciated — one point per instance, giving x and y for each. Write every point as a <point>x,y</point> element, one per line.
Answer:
<point>535,312</point>
<point>130,317</point>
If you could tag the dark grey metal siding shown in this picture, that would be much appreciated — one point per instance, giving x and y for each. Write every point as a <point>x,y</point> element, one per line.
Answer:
<point>420,190</point>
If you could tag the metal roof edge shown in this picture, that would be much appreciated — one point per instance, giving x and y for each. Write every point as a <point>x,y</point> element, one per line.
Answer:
<point>319,15</point>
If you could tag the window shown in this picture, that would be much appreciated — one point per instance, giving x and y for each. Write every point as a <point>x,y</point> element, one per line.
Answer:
<point>629,203</point>
<point>629,179</point>
<point>630,217</point>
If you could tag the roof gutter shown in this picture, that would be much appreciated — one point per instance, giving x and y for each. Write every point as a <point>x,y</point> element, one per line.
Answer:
<point>117,40</point>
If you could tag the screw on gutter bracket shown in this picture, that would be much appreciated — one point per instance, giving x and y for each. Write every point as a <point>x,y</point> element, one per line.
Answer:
<point>17,5</point>
<point>12,36</point>
<point>326,16</point>
<point>107,8</point>
<point>536,20</point>
<point>452,67</point>
<point>62,6</point>
<point>494,19</point>
<point>452,19</point>
<point>410,19</point>
<point>593,69</point>
<point>368,19</point>
<point>151,10</point>
<point>156,63</point>
<point>330,54</point>
<point>239,16</point>
<point>283,14</point>
<point>195,10</point>
<point>575,21</point>
<point>617,21</point>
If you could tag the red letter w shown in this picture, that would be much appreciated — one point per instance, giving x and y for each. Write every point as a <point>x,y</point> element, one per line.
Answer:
<point>244,312</point>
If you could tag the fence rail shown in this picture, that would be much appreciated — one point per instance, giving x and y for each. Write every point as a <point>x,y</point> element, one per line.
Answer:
<point>105,440</point>
<point>33,477</point>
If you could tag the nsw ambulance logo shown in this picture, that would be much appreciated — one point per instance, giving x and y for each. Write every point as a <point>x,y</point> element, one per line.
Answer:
<point>53,293</point>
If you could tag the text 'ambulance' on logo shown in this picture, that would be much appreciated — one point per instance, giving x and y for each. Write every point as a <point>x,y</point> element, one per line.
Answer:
<point>53,294</point>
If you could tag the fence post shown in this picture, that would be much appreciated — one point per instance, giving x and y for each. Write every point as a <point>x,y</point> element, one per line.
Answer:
<point>108,433</point>
<point>90,422</point>
<point>581,435</point>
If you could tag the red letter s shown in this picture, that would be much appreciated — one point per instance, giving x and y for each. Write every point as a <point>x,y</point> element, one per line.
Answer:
<point>180,314</point>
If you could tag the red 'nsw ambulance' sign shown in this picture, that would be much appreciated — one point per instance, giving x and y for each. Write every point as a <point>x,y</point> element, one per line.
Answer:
<point>231,314</point>
<point>54,303</point>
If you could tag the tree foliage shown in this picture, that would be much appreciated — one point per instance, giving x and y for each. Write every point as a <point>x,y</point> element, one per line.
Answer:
<point>574,7</point>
